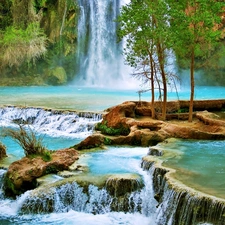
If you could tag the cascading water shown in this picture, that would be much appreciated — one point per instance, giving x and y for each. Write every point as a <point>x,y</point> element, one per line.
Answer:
<point>100,60</point>
<point>69,202</point>
<point>51,122</point>
<point>179,204</point>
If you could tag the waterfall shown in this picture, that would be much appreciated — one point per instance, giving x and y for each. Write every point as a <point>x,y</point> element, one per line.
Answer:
<point>99,60</point>
<point>63,196</point>
<point>2,172</point>
<point>51,122</point>
<point>179,204</point>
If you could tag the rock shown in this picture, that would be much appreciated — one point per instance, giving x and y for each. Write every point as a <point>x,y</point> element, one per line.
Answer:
<point>22,174</point>
<point>93,141</point>
<point>117,116</point>
<point>2,151</point>
<point>155,152</point>
<point>84,190</point>
<point>210,118</point>
<point>121,184</point>
<point>130,124</point>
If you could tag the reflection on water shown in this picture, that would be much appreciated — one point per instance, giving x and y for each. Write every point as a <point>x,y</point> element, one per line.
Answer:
<point>199,164</point>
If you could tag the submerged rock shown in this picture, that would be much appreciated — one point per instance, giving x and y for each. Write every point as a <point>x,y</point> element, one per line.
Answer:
<point>22,174</point>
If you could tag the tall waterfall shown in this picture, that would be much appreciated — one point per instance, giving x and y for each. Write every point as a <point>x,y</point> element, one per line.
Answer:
<point>99,61</point>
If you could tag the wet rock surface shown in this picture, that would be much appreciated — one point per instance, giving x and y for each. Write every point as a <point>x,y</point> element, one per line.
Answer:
<point>22,174</point>
<point>142,130</point>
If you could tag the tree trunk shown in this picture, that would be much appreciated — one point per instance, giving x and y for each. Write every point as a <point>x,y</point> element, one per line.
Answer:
<point>164,95</point>
<point>161,58</point>
<point>192,86</point>
<point>152,87</point>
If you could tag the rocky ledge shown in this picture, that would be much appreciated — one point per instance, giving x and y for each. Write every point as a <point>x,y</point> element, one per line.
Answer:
<point>112,191</point>
<point>22,174</point>
<point>131,123</point>
<point>187,205</point>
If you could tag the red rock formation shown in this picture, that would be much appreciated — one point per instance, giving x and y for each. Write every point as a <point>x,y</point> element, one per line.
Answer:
<point>144,131</point>
<point>21,175</point>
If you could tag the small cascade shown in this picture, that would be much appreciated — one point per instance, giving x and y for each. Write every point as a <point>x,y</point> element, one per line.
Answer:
<point>179,204</point>
<point>71,196</point>
<point>2,172</point>
<point>51,122</point>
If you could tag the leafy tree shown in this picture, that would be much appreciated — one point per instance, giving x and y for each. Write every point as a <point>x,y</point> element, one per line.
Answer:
<point>145,26</point>
<point>195,26</point>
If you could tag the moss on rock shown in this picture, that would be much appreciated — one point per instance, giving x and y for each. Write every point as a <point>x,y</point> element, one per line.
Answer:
<point>56,76</point>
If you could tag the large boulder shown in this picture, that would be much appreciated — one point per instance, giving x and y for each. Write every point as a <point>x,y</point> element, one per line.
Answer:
<point>93,141</point>
<point>22,174</point>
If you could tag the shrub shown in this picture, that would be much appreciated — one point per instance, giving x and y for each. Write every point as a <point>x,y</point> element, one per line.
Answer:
<point>112,131</point>
<point>29,141</point>
<point>22,45</point>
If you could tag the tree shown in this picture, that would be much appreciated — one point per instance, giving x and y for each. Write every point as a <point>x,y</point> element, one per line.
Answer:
<point>195,26</point>
<point>144,25</point>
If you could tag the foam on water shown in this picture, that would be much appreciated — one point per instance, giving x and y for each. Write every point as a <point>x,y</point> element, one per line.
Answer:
<point>52,123</point>
<point>77,218</point>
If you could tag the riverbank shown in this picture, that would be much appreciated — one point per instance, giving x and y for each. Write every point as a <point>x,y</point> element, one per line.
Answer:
<point>130,123</point>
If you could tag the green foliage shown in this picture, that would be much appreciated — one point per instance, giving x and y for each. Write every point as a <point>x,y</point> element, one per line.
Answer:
<point>10,187</point>
<point>112,131</point>
<point>194,26</point>
<point>20,45</point>
<point>145,26</point>
<point>183,110</point>
<point>40,35</point>
<point>51,169</point>
<point>56,76</point>
<point>46,156</point>
<point>195,32</point>
<point>107,141</point>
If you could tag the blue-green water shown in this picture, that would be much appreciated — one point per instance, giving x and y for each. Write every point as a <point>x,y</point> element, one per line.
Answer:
<point>199,164</point>
<point>196,168</point>
<point>92,99</point>
<point>116,160</point>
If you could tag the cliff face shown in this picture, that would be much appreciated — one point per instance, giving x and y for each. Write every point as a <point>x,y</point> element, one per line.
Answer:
<point>55,33</point>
